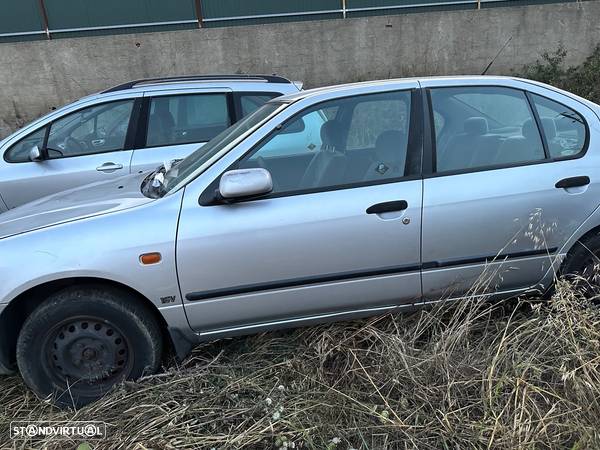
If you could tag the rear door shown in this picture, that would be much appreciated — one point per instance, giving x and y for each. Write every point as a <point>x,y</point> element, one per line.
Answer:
<point>174,123</point>
<point>499,202</point>
<point>90,144</point>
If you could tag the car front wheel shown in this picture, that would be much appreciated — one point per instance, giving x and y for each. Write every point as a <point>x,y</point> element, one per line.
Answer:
<point>81,342</point>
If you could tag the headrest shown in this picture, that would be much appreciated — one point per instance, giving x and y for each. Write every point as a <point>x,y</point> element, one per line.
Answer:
<point>529,130</point>
<point>476,125</point>
<point>161,106</point>
<point>549,126</point>
<point>331,134</point>
<point>389,139</point>
<point>389,143</point>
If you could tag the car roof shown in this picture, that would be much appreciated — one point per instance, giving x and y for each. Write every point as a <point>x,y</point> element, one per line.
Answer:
<point>226,80</point>
<point>232,82</point>
<point>317,95</point>
<point>235,82</point>
<point>387,83</point>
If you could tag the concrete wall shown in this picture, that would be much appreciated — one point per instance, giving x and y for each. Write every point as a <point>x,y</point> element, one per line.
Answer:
<point>36,76</point>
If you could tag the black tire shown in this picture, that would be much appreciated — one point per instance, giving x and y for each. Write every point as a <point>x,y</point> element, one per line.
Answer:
<point>583,256</point>
<point>82,341</point>
<point>582,265</point>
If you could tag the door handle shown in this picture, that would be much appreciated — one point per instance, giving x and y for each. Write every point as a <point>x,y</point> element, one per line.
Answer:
<point>397,205</point>
<point>109,167</point>
<point>571,182</point>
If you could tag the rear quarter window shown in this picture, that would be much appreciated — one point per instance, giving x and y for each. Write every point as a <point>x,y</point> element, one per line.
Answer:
<point>565,130</point>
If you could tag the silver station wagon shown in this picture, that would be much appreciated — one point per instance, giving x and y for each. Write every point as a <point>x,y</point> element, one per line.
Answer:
<point>328,204</point>
<point>130,128</point>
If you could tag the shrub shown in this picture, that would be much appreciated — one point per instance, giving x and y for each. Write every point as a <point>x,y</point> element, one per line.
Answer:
<point>583,80</point>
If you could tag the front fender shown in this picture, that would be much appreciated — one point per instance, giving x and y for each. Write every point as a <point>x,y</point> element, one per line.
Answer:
<point>105,247</point>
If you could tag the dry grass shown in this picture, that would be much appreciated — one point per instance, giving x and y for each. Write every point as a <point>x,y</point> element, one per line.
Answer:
<point>465,375</point>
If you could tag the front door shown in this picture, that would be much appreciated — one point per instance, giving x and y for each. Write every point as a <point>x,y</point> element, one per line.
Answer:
<point>82,147</point>
<point>341,237</point>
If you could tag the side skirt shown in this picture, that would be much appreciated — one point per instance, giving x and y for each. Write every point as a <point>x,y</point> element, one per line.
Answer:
<point>338,316</point>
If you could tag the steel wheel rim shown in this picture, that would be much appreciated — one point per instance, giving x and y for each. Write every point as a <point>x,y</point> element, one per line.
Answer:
<point>88,355</point>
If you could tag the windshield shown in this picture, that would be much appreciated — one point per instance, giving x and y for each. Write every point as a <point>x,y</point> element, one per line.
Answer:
<point>180,171</point>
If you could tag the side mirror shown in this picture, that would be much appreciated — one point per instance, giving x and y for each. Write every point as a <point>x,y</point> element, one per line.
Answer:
<point>35,154</point>
<point>245,183</point>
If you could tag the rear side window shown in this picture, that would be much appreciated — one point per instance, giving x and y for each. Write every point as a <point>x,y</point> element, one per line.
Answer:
<point>184,119</point>
<point>484,126</point>
<point>251,102</point>
<point>564,129</point>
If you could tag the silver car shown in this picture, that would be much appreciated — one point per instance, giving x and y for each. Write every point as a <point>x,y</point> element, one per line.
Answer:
<point>130,128</point>
<point>329,204</point>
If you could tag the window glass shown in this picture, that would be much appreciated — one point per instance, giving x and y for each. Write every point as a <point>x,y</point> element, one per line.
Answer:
<point>19,152</point>
<point>251,102</point>
<point>190,164</point>
<point>337,143</point>
<point>299,136</point>
<point>563,128</point>
<point>439,122</point>
<point>97,129</point>
<point>372,118</point>
<point>484,126</point>
<point>182,119</point>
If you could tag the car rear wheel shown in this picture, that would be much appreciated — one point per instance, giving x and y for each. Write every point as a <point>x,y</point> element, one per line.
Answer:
<point>583,264</point>
<point>81,342</point>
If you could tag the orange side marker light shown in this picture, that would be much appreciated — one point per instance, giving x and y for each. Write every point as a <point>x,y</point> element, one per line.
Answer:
<point>150,258</point>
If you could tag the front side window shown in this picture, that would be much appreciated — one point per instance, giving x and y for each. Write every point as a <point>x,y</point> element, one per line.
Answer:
<point>19,152</point>
<point>97,129</point>
<point>564,129</point>
<point>484,126</point>
<point>354,140</point>
<point>371,118</point>
<point>178,173</point>
<point>183,119</point>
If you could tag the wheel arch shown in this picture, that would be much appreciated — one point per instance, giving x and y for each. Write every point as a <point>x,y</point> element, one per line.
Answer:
<point>16,312</point>
<point>572,245</point>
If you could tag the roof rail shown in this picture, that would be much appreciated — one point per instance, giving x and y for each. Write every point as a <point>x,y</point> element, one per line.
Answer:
<point>236,77</point>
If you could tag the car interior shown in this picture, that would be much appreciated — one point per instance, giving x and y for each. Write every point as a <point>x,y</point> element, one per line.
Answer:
<point>340,158</point>
<point>468,138</point>
<point>184,119</point>
<point>92,130</point>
